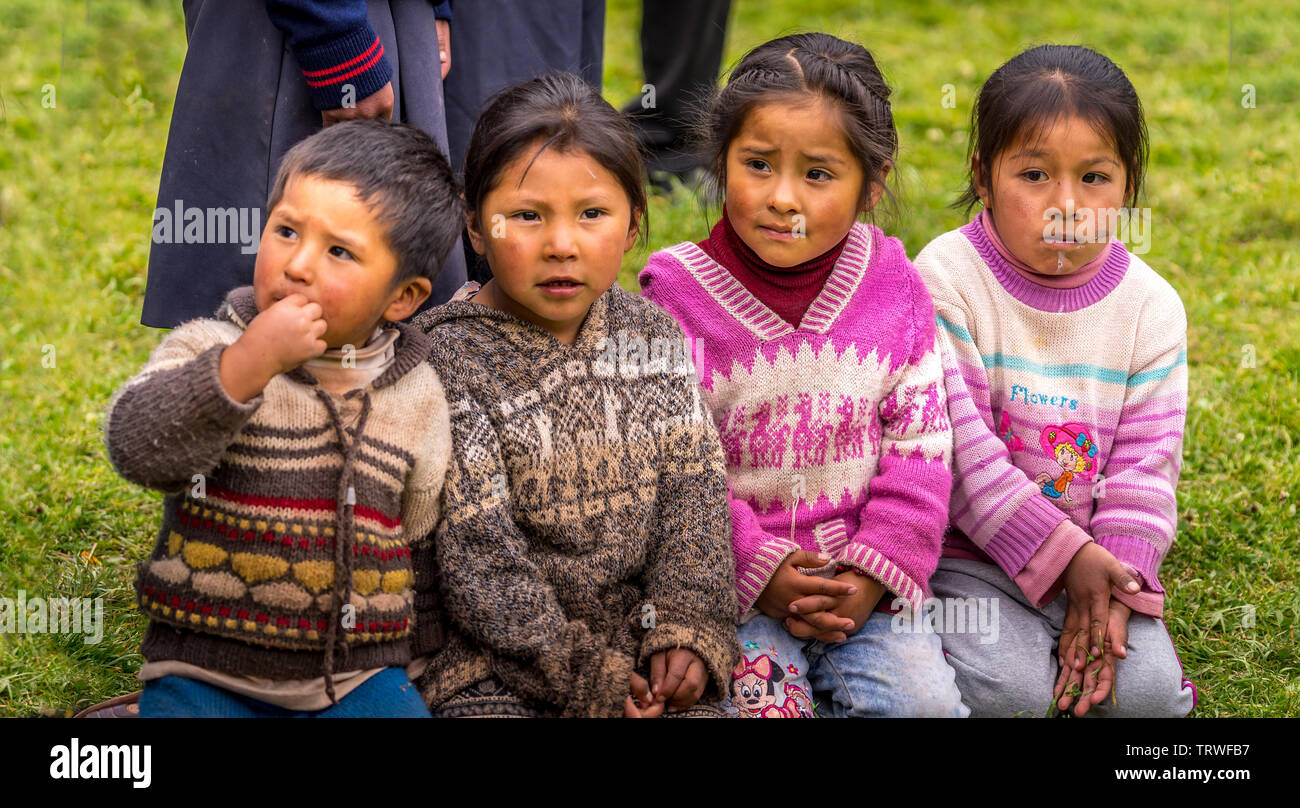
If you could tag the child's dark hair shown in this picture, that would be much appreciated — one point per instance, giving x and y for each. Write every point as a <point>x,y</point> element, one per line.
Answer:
<point>1029,93</point>
<point>800,64</point>
<point>400,173</point>
<point>564,112</point>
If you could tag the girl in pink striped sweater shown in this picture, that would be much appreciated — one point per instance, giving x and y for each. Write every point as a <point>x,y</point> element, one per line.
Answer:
<point>816,349</point>
<point>1077,351</point>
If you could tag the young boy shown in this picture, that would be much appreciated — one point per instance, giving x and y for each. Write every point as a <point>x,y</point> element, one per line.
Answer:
<point>301,439</point>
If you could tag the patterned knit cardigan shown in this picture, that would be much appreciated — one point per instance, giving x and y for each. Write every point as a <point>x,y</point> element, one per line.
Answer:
<point>1066,404</point>
<point>244,578</point>
<point>836,432</point>
<point>585,521</point>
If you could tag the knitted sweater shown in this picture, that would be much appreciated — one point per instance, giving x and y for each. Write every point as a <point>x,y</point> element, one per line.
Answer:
<point>337,49</point>
<point>835,433</point>
<point>244,578</point>
<point>585,510</point>
<point>1065,404</point>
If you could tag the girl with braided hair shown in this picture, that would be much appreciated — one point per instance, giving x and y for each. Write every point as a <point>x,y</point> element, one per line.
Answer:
<point>816,352</point>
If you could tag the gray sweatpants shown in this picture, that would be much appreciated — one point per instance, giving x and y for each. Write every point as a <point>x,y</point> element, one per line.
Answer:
<point>1012,669</point>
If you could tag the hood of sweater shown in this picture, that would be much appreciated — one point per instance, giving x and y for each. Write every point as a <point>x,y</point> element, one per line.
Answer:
<point>412,347</point>
<point>520,333</point>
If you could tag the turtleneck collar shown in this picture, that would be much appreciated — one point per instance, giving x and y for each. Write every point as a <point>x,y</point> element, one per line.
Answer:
<point>1100,276</point>
<point>788,291</point>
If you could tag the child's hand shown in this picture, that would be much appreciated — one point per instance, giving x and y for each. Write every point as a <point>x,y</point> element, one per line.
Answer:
<point>1089,578</point>
<point>677,678</point>
<point>789,585</point>
<point>1095,682</point>
<point>279,339</point>
<point>1088,620</point>
<point>640,703</point>
<point>831,619</point>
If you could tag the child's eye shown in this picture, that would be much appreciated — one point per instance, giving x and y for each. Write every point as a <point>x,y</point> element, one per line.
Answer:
<point>1097,178</point>
<point>819,175</point>
<point>527,216</point>
<point>1034,175</point>
<point>757,165</point>
<point>340,252</point>
<point>592,213</point>
<point>284,231</point>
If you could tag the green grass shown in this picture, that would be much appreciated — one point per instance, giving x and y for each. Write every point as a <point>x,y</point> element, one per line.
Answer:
<point>77,191</point>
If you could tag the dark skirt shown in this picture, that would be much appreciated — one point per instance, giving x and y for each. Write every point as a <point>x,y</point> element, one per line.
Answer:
<point>241,104</point>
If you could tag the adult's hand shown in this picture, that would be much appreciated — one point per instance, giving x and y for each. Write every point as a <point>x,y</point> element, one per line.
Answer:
<point>443,28</point>
<point>378,104</point>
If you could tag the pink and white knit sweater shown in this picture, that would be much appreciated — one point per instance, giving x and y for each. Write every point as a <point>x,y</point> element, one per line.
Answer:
<point>1067,410</point>
<point>836,432</point>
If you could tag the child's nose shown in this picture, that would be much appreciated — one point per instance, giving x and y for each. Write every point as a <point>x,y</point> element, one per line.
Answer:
<point>299,266</point>
<point>560,242</point>
<point>783,198</point>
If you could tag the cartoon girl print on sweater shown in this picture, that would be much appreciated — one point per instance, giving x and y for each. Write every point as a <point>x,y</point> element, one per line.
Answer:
<point>1074,450</point>
<point>753,690</point>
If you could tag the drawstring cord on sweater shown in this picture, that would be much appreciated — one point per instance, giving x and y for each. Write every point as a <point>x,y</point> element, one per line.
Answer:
<point>345,501</point>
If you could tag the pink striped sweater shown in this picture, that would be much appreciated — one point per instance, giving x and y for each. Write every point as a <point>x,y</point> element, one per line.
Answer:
<point>836,432</point>
<point>1067,409</point>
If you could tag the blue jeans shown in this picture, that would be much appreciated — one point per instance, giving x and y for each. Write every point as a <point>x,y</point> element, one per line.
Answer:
<point>385,695</point>
<point>877,672</point>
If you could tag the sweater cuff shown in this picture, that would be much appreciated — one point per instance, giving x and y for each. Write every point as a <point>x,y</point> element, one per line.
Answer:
<point>752,578</point>
<point>1040,580</point>
<point>872,563</point>
<point>1144,559</point>
<point>609,688</point>
<point>1023,533</point>
<point>716,646</point>
<point>345,70</point>
<point>442,11</point>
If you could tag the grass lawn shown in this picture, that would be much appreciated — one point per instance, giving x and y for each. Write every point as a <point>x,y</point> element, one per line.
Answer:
<point>86,93</point>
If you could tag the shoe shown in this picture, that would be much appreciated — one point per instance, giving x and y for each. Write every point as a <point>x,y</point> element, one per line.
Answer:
<point>127,706</point>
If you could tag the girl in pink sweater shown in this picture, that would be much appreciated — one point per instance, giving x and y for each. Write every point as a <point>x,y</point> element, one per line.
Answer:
<point>814,340</point>
<point>1077,350</point>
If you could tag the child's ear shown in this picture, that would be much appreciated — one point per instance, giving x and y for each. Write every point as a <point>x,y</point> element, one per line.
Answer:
<point>878,188</point>
<point>981,190</point>
<point>633,230</point>
<point>476,239</point>
<point>410,294</point>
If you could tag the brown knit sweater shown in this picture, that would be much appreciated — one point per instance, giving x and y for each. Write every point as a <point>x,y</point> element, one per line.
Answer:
<point>585,518</point>
<point>249,575</point>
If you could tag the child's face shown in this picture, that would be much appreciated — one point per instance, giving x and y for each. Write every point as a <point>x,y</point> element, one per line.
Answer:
<point>554,237</point>
<point>323,242</point>
<point>793,184</point>
<point>1069,168</point>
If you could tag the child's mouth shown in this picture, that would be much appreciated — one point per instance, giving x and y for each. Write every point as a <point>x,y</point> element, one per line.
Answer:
<point>560,287</point>
<point>777,235</point>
